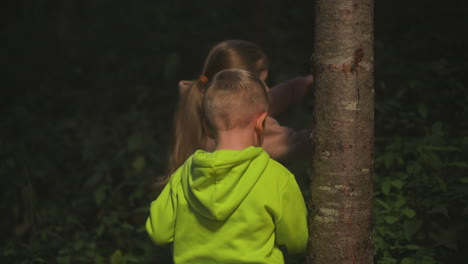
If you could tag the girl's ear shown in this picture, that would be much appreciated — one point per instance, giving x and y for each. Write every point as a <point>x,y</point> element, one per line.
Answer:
<point>260,123</point>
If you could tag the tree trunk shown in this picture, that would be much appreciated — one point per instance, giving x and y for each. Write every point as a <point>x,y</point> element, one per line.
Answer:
<point>343,135</point>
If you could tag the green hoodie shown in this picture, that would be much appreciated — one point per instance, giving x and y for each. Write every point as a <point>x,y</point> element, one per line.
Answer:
<point>230,206</point>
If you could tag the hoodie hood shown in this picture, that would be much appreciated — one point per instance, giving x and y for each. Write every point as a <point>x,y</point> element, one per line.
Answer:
<point>216,183</point>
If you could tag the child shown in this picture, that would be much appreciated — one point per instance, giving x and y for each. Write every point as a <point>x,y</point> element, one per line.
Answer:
<point>280,142</point>
<point>233,205</point>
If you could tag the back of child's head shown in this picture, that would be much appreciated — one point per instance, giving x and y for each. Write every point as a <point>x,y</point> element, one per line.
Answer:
<point>189,134</point>
<point>234,98</point>
<point>235,54</point>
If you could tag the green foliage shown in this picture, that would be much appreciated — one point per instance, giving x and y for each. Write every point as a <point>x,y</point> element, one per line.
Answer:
<point>420,194</point>
<point>420,189</point>
<point>78,192</point>
<point>421,208</point>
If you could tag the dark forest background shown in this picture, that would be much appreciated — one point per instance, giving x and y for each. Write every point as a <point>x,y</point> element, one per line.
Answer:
<point>90,89</point>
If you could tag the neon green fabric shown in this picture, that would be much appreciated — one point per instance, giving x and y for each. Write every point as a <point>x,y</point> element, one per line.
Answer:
<point>230,206</point>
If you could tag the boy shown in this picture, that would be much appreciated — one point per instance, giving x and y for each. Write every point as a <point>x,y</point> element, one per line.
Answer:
<point>233,205</point>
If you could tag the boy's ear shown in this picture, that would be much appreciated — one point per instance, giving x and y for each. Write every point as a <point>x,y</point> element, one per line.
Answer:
<point>260,123</point>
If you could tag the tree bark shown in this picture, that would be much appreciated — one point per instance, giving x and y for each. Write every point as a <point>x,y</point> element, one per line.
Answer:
<point>343,135</point>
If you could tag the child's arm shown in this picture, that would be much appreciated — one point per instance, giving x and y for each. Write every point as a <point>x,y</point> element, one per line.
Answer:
<point>289,92</point>
<point>160,223</point>
<point>291,226</point>
<point>283,143</point>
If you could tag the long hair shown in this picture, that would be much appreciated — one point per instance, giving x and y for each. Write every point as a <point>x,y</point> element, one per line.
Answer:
<point>189,121</point>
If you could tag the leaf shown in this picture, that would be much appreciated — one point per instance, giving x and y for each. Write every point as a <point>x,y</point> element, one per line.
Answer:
<point>100,195</point>
<point>439,210</point>
<point>116,257</point>
<point>408,212</point>
<point>397,184</point>
<point>100,230</point>
<point>445,237</point>
<point>127,226</point>
<point>409,261</point>
<point>413,168</point>
<point>385,188</point>
<point>139,163</point>
<point>379,201</point>
<point>443,148</point>
<point>388,160</point>
<point>458,164</point>
<point>442,184</point>
<point>413,247</point>
<point>427,260</point>
<point>422,110</point>
<point>464,180</point>
<point>391,219</point>
<point>134,142</point>
<point>437,129</point>
<point>98,259</point>
<point>387,260</point>
<point>399,202</point>
<point>410,227</point>
<point>399,160</point>
<point>78,245</point>
<point>63,259</point>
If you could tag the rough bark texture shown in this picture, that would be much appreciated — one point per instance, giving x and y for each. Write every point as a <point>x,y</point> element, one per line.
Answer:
<point>340,221</point>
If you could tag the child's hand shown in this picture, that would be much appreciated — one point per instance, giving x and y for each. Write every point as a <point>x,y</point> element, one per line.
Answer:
<point>290,92</point>
<point>308,80</point>
<point>184,86</point>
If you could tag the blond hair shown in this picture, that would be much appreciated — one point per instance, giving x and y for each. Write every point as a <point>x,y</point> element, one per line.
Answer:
<point>189,133</point>
<point>233,99</point>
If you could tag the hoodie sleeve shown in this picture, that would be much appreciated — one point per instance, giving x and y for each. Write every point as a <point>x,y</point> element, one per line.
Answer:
<point>160,224</point>
<point>291,227</point>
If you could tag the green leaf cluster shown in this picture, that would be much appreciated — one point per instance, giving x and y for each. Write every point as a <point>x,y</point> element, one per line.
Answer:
<point>420,187</point>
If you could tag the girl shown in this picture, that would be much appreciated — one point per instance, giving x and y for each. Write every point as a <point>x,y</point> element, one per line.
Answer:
<point>190,133</point>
